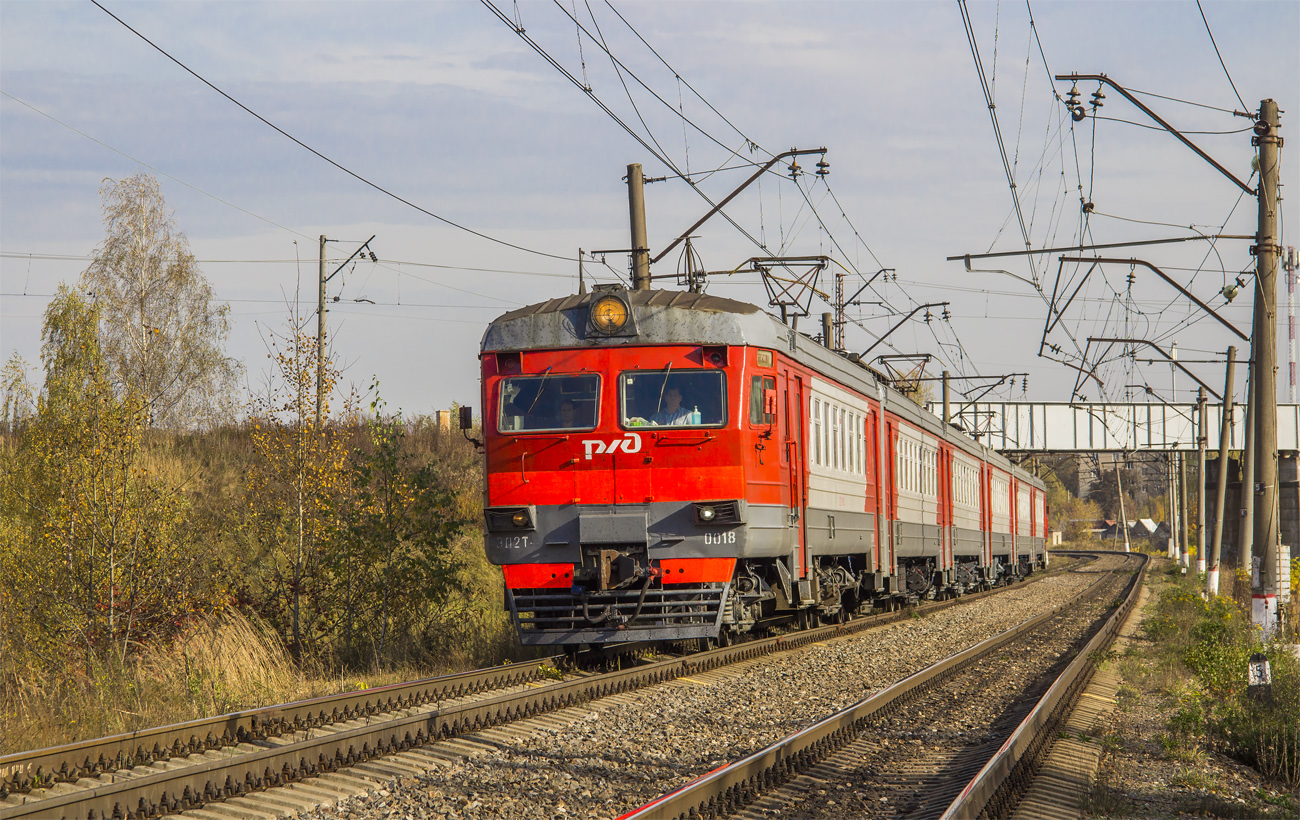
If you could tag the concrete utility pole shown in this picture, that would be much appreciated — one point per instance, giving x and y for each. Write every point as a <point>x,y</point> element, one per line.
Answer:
<point>320,331</point>
<point>947,400</point>
<point>1246,519</point>
<point>1221,480</point>
<point>1202,440</point>
<point>828,331</point>
<point>636,211</point>
<point>1175,513</point>
<point>1184,544</point>
<point>1123,517</point>
<point>1267,251</point>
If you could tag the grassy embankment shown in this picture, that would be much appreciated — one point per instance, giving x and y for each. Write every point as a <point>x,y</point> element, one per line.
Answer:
<point>1185,702</point>
<point>238,656</point>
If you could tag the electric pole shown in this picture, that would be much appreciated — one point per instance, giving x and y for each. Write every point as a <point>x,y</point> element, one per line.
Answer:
<point>320,331</point>
<point>1267,250</point>
<point>1246,522</point>
<point>322,280</point>
<point>636,212</point>
<point>1123,517</point>
<point>1221,480</point>
<point>1202,441</point>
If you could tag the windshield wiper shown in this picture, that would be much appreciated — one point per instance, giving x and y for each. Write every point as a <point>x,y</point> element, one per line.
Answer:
<point>667,372</point>
<point>540,389</point>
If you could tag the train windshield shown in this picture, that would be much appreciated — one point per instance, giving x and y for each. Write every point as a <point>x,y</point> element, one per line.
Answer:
<point>673,398</point>
<point>549,402</point>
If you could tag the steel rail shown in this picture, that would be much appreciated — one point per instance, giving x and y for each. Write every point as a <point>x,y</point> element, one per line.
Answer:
<point>998,786</point>
<point>716,793</point>
<point>154,784</point>
<point>68,763</point>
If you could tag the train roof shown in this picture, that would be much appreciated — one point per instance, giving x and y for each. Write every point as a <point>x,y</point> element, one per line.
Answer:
<point>681,317</point>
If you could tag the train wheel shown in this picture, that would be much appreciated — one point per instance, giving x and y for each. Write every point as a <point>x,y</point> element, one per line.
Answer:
<point>724,639</point>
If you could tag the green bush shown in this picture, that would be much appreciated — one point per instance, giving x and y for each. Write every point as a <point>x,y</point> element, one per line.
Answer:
<point>1213,641</point>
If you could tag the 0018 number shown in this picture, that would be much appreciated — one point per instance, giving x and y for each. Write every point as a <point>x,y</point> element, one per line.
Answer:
<point>719,538</point>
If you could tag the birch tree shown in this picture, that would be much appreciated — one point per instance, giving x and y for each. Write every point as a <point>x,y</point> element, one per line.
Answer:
<point>98,556</point>
<point>161,332</point>
<point>295,489</point>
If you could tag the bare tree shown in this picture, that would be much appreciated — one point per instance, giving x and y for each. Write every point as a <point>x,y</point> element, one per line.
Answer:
<point>17,397</point>
<point>161,332</point>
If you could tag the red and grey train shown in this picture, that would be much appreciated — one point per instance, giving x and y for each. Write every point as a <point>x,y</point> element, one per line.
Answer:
<point>666,465</point>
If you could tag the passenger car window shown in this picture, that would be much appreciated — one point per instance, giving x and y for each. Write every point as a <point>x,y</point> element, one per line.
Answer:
<point>758,387</point>
<point>549,402</point>
<point>673,398</point>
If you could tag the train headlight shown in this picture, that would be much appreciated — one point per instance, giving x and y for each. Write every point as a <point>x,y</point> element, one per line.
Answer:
<point>608,314</point>
<point>520,519</point>
<point>707,513</point>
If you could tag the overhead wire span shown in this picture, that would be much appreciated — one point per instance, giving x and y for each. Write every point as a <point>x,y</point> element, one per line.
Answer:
<point>997,130</point>
<point>668,163</point>
<point>1219,55</point>
<point>327,159</point>
<point>144,164</point>
<point>753,145</point>
<point>619,65</point>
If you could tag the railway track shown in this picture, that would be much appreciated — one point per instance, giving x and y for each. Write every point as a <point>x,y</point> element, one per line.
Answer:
<point>171,769</point>
<point>959,739</point>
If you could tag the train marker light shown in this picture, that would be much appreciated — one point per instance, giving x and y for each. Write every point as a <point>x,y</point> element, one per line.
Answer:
<point>520,519</point>
<point>608,314</point>
<point>707,513</point>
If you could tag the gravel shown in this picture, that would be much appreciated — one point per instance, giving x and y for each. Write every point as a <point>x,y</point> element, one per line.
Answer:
<point>619,753</point>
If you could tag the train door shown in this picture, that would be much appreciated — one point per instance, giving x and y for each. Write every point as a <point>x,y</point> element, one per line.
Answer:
<point>944,489</point>
<point>795,440</point>
<point>871,469</point>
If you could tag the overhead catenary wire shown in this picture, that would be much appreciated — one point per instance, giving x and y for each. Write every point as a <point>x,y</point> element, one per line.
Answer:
<point>144,164</point>
<point>1219,55</point>
<point>334,163</point>
<point>993,116</point>
<point>750,142</point>
<point>667,162</point>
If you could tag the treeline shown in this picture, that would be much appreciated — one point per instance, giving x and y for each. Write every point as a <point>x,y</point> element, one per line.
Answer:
<point>356,539</point>
<point>134,514</point>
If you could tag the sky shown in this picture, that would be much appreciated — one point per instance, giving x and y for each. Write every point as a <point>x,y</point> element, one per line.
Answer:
<point>447,107</point>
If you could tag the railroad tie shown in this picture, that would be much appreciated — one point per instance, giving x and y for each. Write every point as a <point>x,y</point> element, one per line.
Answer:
<point>1068,774</point>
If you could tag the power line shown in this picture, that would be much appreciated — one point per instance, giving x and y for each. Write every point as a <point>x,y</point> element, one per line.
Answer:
<point>618,64</point>
<point>152,168</point>
<point>518,30</point>
<point>1220,56</point>
<point>997,130</point>
<point>87,258</point>
<point>337,165</point>
<point>743,135</point>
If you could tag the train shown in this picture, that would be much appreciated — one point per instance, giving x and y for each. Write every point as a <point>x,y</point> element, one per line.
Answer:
<point>675,466</point>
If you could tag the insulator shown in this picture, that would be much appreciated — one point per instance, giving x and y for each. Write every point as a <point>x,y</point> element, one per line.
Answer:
<point>1072,99</point>
<point>1132,277</point>
<point>947,315</point>
<point>794,169</point>
<point>1097,97</point>
<point>928,317</point>
<point>823,167</point>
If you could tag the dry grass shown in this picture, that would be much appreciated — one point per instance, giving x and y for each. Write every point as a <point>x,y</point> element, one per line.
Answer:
<point>223,665</point>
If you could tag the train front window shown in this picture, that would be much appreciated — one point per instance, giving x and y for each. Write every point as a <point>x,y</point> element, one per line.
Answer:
<point>549,402</point>
<point>673,398</point>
